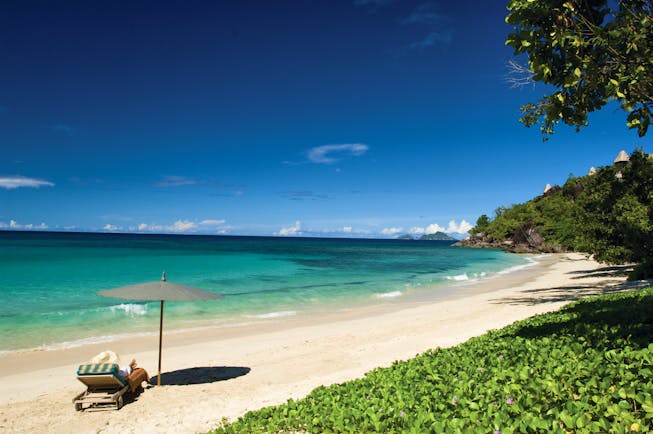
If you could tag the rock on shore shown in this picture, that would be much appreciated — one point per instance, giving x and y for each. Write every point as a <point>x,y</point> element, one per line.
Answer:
<point>526,239</point>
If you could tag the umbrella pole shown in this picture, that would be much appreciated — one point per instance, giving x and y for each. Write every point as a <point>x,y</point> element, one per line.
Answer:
<point>158,377</point>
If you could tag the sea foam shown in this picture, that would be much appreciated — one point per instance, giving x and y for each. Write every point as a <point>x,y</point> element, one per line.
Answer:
<point>459,277</point>
<point>270,315</point>
<point>130,309</point>
<point>391,294</point>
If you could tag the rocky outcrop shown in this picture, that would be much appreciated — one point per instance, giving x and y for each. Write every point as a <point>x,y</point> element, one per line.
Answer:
<point>527,235</point>
<point>526,239</point>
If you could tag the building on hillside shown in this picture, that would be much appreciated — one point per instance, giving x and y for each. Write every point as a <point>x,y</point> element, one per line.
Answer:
<point>547,188</point>
<point>622,159</point>
<point>620,162</point>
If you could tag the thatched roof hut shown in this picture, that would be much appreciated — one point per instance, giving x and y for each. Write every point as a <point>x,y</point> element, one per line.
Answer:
<point>622,158</point>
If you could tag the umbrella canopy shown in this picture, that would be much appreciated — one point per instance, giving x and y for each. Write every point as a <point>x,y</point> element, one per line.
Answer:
<point>161,290</point>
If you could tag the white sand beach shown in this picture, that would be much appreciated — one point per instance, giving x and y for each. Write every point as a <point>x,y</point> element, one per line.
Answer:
<point>225,372</point>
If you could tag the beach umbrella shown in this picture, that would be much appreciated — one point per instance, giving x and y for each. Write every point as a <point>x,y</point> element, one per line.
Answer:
<point>161,290</point>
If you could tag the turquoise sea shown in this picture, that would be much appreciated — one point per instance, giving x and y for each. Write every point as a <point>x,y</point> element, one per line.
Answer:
<point>49,281</point>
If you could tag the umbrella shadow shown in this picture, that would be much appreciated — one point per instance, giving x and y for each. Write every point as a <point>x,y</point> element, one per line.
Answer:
<point>200,375</point>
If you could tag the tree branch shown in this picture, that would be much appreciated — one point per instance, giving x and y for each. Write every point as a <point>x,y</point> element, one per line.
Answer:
<point>519,75</point>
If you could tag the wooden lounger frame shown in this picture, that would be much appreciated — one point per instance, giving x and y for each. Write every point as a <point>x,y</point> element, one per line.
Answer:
<point>102,390</point>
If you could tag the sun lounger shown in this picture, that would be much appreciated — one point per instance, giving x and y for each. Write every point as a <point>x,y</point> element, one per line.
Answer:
<point>104,386</point>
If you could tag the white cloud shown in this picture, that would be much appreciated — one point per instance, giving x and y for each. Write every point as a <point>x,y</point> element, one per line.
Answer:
<point>392,231</point>
<point>180,226</point>
<point>427,15</point>
<point>346,231</point>
<point>452,228</point>
<point>11,182</point>
<point>434,38</point>
<point>325,154</point>
<point>183,226</point>
<point>212,222</point>
<point>175,181</point>
<point>13,224</point>
<point>423,14</point>
<point>292,230</point>
<point>304,195</point>
<point>110,227</point>
<point>433,228</point>
<point>461,228</point>
<point>430,229</point>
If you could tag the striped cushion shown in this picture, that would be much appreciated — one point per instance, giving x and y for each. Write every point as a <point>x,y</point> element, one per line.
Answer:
<point>91,370</point>
<point>98,369</point>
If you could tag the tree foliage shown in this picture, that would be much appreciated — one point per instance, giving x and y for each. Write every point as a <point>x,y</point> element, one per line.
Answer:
<point>552,214</point>
<point>481,224</point>
<point>616,218</point>
<point>608,214</point>
<point>591,52</point>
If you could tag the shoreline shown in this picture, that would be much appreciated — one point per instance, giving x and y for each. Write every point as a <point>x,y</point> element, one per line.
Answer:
<point>396,298</point>
<point>245,368</point>
<point>35,358</point>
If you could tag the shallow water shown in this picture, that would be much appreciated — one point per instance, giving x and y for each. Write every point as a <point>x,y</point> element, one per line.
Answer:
<point>49,281</point>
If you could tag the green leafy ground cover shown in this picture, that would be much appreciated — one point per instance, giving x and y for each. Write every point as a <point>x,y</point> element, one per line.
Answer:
<point>584,369</point>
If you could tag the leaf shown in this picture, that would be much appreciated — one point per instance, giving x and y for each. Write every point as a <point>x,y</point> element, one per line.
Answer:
<point>567,420</point>
<point>581,421</point>
<point>648,406</point>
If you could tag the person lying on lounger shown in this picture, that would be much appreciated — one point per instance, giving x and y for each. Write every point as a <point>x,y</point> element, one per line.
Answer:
<point>131,373</point>
<point>134,375</point>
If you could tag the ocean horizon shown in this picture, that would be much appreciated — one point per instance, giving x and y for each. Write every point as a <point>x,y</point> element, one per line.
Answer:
<point>49,280</point>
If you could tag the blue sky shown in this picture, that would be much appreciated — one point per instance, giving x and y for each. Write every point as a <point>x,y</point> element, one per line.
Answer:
<point>316,118</point>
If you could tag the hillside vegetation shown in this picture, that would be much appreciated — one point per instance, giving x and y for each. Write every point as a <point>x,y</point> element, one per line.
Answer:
<point>607,214</point>
<point>584,369</point>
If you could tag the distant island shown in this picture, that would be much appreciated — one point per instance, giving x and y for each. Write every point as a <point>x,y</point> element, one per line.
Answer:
<point>438,236</point>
